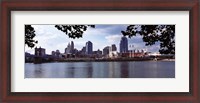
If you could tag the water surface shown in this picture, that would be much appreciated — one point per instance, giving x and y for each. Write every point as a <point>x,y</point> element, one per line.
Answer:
<point>132,69</point>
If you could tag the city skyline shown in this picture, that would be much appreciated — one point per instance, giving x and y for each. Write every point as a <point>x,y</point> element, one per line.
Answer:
<point>101,36</point>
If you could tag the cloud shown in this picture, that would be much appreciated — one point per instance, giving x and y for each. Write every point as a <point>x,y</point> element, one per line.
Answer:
<point>101,36</point>
<point>50,38</point>
<point>95,32</point>
<point>154,48</point>
<point>104,30</point>
<point>113,38</point>
<point>79,44</point>
<point>139,44</point>
<point>113,29</point>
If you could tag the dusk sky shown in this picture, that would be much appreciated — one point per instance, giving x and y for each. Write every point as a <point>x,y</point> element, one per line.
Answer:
<point>52,39</point>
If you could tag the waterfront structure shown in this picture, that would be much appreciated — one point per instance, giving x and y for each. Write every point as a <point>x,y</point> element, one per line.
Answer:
<point>138,54</point>
<point>113,47</point>
<point>40,55</point>
<point>83,50</point>
<point>57,54</point>
<point>113,54</point>
<point>40,52</point>
<point>106,51</point>
<point>29,57</point>
<point>113,51</point>
<point>67,49</point>
<point>98,53</point>
<point>123,45</point>
<point>75,51</point>
<point>70,48</point>
<point>135,53</point>
<point>53,53</point>
<point>89,48</point>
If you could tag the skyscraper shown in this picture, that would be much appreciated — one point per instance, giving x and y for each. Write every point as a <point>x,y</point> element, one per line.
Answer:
<point>106,50</point>
<point>113,47</point>
<point>123,45</point>
<point>70,48</point>
<point>83,50</point>
<point>89,47</point>
<point>67,50</point>
<point>40,51</point>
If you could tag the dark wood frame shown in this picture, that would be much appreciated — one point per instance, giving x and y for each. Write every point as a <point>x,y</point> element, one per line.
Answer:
<point>193,96</point>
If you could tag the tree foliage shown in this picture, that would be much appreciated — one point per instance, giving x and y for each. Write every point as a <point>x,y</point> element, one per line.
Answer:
<point>74,31</point>
<point>29,35</point>
<point>164,34</point>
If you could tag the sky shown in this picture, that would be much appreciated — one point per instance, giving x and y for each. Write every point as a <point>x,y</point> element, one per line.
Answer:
<point>52,39</point>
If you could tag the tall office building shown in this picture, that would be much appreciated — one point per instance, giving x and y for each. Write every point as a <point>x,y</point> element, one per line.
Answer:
<point>83,50</point>
<point>113,47</point>
<point>123,45</point>
<point>89,47</point>
<point>40,51</point>
<point>70,48</point>
<point>67,49</point>
<point>106,50</point>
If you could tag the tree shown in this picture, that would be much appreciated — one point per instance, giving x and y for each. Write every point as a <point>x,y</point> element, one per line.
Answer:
<point>74,31</point>
<point>164,34</point>
<point>29,35</point>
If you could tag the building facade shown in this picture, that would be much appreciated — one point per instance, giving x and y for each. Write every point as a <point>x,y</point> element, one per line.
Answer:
<point>98,53</point>
<point>113,51</point>
<point>40,52</point>
<point>89,48</point>
<point>70,48</point>
<point>106,51</point>
<point>123,45</point>
<point>113,47</point>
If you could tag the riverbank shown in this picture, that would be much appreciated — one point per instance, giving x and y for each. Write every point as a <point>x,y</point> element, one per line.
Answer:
<point>104,60</point>
<point>114,60</point>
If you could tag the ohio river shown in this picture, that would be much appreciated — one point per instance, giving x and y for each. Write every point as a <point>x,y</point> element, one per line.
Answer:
<point>132,69</point>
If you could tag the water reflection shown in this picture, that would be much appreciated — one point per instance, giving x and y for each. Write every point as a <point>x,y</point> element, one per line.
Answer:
<point>69,70</point>
<point>124,70</point>
<point>89,70</point>
<point>150,69</point>
<point>38,71</point>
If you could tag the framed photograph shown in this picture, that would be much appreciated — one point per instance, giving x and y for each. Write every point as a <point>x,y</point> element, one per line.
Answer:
<point>141,51</point>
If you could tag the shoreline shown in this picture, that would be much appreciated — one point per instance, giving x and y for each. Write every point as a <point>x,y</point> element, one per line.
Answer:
<point>104,60</point>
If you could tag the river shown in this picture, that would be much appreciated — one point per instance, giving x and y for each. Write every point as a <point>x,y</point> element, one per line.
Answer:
<point>132,69</point>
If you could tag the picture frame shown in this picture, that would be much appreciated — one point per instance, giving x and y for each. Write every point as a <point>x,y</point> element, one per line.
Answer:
<point>99,5</point>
